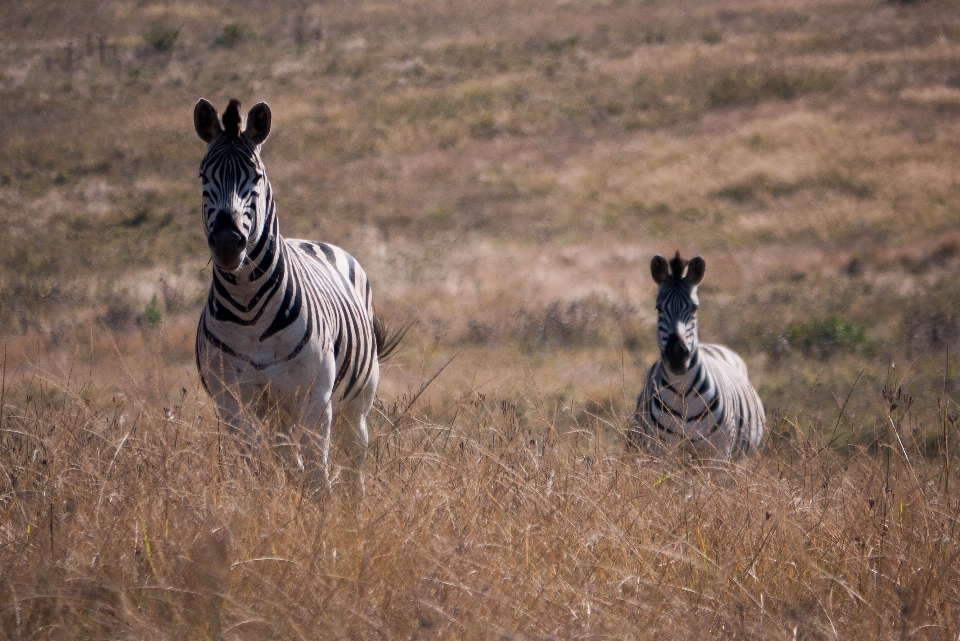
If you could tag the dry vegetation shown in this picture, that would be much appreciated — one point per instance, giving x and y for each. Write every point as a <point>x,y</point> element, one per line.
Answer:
<point>504,171</point>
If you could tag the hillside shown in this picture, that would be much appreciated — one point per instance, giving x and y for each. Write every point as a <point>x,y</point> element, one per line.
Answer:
<point>504,171</point>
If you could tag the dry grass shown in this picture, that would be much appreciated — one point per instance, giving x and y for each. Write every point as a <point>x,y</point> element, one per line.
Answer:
<point>500,518</point>
<point>504,171</point>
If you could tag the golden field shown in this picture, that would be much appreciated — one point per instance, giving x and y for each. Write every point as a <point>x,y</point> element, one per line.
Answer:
<point>504,172</point>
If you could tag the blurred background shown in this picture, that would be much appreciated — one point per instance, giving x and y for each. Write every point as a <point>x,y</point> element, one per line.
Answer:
<point>504,171</point>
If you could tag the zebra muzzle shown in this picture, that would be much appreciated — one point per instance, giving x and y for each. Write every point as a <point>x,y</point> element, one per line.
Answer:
<point>227,246</point>
<point>677,354</point>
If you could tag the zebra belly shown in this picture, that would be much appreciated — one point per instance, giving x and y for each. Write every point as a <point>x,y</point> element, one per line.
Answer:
<point>286,383</point>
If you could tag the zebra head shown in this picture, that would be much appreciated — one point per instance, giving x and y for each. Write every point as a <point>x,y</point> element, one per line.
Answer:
<point>677,303</point>
<point>234,180</point>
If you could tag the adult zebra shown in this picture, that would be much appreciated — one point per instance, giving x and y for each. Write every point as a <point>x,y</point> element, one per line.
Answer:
<point>696,396</point>
<point>288,329</point>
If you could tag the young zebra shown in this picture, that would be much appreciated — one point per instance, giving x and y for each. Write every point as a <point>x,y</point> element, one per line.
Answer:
<point>696,396</point>
<point>288,328</point>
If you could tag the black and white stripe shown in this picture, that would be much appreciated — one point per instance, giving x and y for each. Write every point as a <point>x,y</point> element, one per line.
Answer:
<point>696,395</point>
<point>288,325</point>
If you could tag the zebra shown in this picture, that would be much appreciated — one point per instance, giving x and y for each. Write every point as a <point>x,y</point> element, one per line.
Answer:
<point>697,396</point>
<point>288,330</point>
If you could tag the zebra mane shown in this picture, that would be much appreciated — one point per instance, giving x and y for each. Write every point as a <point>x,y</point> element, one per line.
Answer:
<point>677,264</point>
<point>232,119</point>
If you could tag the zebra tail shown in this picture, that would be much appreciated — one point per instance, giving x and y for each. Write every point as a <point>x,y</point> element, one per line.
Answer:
<point>388,339</point>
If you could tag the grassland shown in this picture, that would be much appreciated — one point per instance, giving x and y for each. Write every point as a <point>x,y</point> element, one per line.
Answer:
<point>504,171</point>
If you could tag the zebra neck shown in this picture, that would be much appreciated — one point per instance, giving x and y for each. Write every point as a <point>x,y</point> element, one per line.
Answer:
<point>245,286</point>
<point>681,383</point>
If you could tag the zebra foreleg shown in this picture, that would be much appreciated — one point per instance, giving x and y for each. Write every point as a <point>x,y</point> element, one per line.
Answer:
<point>311,432</point>
<point>241,421</point>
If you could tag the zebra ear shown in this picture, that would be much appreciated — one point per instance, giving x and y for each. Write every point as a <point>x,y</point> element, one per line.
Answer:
<point>258,123</point>
<point>206,121</point>
<point>659,269</point>
<point>695,271</point>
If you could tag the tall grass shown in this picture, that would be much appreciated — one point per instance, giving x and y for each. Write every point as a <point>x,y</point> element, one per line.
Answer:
<point>504,172</point>
<point>498,521</point>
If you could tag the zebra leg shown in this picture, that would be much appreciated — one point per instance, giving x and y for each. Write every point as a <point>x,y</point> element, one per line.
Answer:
<point>314,444</point>
<point>311,413</point>
<point>238,417</point>
<point>303,393</point>
<point>350,429</point>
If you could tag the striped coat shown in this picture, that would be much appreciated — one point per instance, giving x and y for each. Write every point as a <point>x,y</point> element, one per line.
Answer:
<point>288,329</point>
<point>696,396</point>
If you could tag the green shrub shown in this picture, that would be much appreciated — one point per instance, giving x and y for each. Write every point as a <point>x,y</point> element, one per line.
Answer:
<point>151,316</point>
<point>748,85</point>
<point>161,38</point>
<point>231,35</point>
<point>826,336</point>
